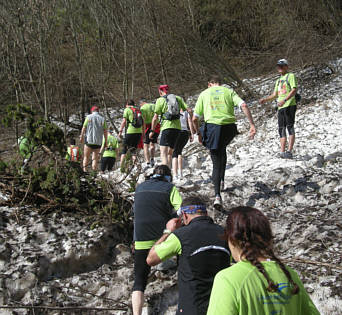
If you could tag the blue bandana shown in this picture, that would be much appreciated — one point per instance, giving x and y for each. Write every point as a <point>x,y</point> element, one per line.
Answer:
<point>194,209</point>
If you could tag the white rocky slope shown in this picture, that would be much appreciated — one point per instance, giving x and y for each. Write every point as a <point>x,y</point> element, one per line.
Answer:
<point>57,260</point>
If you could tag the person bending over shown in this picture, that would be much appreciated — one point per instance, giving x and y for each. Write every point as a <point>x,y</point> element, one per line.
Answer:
<point>155,202</point>
<point>201,254</point>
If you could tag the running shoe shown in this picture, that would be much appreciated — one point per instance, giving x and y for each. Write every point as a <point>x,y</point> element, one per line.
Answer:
<point>288,155</point>
<point>218,203</point>
<point>282,155</point>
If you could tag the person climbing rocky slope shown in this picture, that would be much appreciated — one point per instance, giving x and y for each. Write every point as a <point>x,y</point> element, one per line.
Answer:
<point>58,260</point>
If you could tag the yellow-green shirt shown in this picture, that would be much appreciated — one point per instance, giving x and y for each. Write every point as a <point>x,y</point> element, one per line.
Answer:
<point>128,114</point>
<point>112,145</point>
<point>161,109</point>
<point>282,89</point>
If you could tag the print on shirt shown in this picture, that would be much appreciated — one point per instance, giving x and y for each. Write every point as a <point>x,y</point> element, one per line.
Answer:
<point>277,297</point>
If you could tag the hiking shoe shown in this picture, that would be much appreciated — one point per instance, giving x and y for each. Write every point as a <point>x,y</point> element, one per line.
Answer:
<point>288,155</point>
<point>218,203</point>
<point>282,155</point>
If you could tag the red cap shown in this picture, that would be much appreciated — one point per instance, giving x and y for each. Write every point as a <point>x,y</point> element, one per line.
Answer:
<point>94,109</point>
<point>164,88</point>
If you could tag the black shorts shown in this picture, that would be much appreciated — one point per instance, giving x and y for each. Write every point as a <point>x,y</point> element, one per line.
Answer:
<point>107,163</point>
<point>147,139</point>
<point>182,140</point>
<point>286,120</point>
<point>141,269</point>
<point>93,146</point>
<point>131,142</point>
<point>169,137</point>
<point>216,137</point>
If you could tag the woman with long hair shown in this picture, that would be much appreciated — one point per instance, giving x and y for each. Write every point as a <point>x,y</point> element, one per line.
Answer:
<point>259,283</point>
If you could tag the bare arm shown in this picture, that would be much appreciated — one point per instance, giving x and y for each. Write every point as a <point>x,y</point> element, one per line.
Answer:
<point>82,134</point>
<point>268,98</point>
<point>248,114</point>
<point>105,133</point>
<point>123,125</point>
<point>153,124</point>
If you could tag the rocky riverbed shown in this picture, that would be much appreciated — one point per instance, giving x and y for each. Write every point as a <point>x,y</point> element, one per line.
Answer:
<point>57,260</point>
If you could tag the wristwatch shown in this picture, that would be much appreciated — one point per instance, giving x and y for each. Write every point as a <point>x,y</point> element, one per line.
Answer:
<point>167,231</point>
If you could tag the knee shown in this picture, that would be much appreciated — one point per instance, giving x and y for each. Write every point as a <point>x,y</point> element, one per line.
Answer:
<point>282,132</point>
<point>291,130</point>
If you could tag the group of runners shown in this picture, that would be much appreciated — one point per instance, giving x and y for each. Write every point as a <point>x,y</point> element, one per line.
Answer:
<point>166,226</point>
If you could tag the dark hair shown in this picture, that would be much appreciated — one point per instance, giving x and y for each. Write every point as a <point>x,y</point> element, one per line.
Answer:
<point>250,229</point>
<point>214,79</point>
<point>72,142</point>
<point>130,102</point>
<point>194,200</point>
<point>162,170</point>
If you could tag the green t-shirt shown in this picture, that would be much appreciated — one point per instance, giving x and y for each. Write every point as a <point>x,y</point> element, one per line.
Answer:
<point>147,111</point>
<point>78,151</point>
<point>112,145</point>
<point>242,289</point>
<point>161,108</point>
<point>176,201</point>
<point>282,89</point>
<point>169,248</point>
<point>25,147</point>
<point>128,114</point>
<point>216,104</point>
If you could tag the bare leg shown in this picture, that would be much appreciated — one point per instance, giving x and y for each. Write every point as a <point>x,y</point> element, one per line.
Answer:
<point>180,165</point>
<point>86,158</point>
<point>137,302</point>
<point>175,167</point>
<point>282,144</point>
<point>163,154</point>
<point>122,158</point>
<point>291,142</point>
<point>169,157</point>
<point>96,156</point>
<point>146,153</point>
<point>152,150</point>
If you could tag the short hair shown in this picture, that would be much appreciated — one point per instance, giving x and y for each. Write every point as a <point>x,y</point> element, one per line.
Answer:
<point>162,170</point>
<point>193,200</point>
<point>215,79</point>
<point>130,102</point>
<point>72,141</point>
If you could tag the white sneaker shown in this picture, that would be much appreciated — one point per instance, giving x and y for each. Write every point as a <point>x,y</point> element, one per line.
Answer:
<point>218,203</point>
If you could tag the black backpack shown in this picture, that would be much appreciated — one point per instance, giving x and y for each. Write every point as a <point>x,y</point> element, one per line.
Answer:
<point>137,121</point>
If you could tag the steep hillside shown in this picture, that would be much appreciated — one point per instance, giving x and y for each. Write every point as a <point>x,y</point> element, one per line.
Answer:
<point>57,260</point>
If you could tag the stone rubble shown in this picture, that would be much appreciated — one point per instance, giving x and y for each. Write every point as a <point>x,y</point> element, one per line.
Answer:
<point>58,260</point>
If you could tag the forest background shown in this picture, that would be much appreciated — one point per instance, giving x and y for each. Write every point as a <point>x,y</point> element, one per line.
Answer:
<point>60,57</point>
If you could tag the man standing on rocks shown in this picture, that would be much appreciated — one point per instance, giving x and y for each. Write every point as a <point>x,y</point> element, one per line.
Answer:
<point>93,131</point>
<point>155,203</point>
<point>216,105</point>
<point>147,110</point>
<point>201,252</point>
<point>285,91</point>
<point>133,121</point>
<point>168,106</point>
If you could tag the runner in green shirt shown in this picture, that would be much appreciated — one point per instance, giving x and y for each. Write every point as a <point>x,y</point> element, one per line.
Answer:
<point>259,283</point>
<point>109,152</point>
<point>216,106</point>
<point>133,133</point>
<point>285,91</point>
<point>147,110</point>
<point>170,123</point>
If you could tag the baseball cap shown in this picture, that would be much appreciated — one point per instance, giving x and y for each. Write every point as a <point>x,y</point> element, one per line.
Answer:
<point>94,109</point>
<point>282,62</point>
<point>164,88</point>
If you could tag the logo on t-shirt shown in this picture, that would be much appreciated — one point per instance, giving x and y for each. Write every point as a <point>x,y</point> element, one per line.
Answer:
<point>279,297</point>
